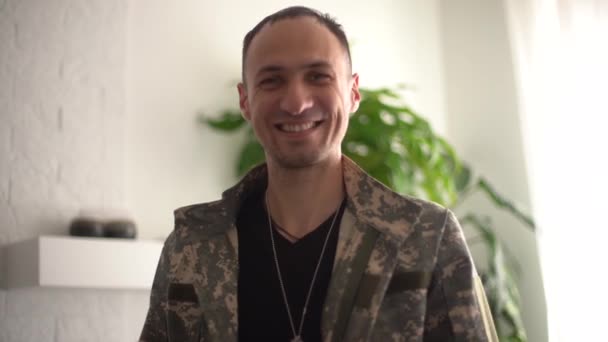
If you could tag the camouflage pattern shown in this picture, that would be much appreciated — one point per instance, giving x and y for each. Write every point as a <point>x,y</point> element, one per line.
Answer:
<point>402,271</point>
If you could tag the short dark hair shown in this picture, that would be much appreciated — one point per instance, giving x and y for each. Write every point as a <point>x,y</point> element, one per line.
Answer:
<point>296,12</point>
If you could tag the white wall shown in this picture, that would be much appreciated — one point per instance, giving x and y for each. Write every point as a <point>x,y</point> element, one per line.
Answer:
<point>483,124</point>
<point>183,57</point>
<point>99,103</point>
<point>61,149</point>
<point>98,108</point>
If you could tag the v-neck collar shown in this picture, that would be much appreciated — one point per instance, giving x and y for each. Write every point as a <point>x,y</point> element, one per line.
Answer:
<point>318,233</point>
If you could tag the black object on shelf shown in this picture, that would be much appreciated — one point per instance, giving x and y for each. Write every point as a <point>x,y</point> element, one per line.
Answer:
<point>82,226</point>
<point>120,229</point>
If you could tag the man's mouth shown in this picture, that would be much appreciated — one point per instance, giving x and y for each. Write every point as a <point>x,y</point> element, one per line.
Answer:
<point>299,127</point>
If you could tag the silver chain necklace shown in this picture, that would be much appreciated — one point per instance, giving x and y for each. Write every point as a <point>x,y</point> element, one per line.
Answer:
<point>297,336</point>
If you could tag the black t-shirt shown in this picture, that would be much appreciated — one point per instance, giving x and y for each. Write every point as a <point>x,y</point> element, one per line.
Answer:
<point>262,313</point>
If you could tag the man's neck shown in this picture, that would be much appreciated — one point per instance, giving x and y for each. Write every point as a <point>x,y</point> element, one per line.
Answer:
<point>301,199</point>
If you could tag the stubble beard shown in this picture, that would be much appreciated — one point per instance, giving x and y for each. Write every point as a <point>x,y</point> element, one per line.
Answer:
<point>297,160</point>
<point>291,158</point>
<point>294,159</point>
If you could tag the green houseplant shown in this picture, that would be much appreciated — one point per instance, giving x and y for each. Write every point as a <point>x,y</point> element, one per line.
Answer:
<point>399,148</point>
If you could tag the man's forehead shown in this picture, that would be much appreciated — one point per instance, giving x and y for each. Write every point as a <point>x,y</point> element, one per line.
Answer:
<point>300,22</point>
<point>288,40</point>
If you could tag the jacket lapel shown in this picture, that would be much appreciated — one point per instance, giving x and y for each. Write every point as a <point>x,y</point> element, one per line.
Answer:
<point>215,250</point>
<point>210,253</point>
<point>373,228</point>
<point>355,245</point>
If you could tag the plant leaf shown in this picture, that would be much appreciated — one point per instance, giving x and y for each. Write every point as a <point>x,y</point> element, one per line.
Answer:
<point>463,178</point>
<point>229,121</point>
<point>505,204</point>
<point>251,155</point>
<point>501,288</point>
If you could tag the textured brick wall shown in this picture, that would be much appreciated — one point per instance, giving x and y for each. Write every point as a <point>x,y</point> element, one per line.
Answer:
<point>61,149</point>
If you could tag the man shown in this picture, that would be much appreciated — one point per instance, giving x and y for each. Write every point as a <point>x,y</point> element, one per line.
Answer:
<point>308,247</point>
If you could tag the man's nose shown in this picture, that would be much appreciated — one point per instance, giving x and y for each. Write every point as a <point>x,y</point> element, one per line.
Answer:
<point>296,99</point>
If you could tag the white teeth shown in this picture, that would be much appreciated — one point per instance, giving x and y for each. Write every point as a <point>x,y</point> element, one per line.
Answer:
<point>296,128</point>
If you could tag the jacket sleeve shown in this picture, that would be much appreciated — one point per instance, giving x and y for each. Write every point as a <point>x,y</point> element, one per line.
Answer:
<point>457,308</point>
<point>155,325</point>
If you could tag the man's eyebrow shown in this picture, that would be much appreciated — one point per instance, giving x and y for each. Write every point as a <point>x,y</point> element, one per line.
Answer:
<point>269,68</point>
<point>312,65</point>
<point>317,64</point>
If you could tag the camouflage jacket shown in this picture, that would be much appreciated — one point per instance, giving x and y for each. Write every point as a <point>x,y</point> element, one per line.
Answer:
<point>402,271</point>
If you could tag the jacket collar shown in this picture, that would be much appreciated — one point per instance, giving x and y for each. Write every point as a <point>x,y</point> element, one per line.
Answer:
<point>370,201</point>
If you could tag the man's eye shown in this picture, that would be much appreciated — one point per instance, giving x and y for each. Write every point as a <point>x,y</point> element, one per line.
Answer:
<point>319,77</point>
<point>270,81</point>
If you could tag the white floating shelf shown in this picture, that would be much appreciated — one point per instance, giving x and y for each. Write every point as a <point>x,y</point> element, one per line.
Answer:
<point>66,261</point>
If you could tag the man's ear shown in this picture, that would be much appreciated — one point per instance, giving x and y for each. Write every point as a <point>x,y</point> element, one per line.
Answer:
<point>243,101</point>
<point>355,95</point>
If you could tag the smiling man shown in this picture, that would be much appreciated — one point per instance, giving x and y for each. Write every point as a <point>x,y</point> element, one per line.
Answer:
<point>308,247</point>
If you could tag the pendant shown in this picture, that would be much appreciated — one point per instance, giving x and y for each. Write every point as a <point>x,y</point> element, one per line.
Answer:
<point>297,339</point>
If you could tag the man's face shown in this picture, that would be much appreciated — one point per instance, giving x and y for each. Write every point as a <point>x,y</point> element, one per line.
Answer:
<point>299,92</point>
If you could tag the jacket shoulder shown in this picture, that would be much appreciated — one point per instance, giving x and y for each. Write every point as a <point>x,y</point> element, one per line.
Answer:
<point>428,209</point>
<point>198,210</point>
<point>418,214</point>
<point>210,218</point>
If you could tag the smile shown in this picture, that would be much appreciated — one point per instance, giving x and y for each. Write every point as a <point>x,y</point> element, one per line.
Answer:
<point>300,127</point>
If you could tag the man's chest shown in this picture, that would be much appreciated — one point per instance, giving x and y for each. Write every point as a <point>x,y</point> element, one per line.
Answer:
<point>282,285</point>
